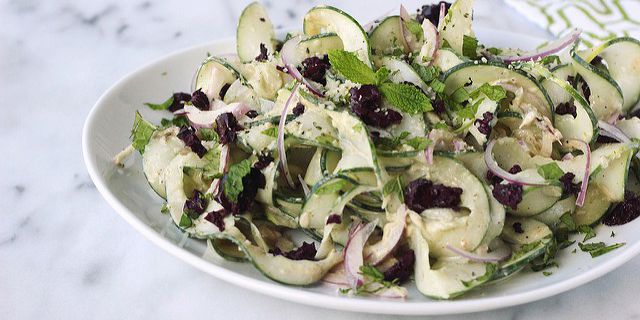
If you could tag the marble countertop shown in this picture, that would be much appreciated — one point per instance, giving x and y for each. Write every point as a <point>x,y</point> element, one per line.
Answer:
<point>65,254</point>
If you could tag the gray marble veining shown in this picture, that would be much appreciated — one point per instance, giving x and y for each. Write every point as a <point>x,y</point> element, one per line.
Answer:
<point>64,254</point>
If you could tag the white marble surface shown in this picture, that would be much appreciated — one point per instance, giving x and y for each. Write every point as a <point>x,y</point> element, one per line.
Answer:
<point>64,254</point>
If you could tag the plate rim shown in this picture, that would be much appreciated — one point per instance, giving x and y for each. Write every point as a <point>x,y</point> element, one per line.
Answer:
<point>314,299</point>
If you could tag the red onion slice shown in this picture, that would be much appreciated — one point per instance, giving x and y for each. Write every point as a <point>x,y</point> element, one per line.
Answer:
<point>500,254</point>
<point>336,277</point>
<point>407,38</point>
<point>428,155</point>
<point>612,131</point>
<point>391,234</point>
<point>205,119</point>
<point>587,168</point>
<point>431,34</point>
<point>224,164</point>
<point>282,152</point>
<point>287,52</point>
<point>549,49</point>
<point>493,166</point>
<point>305,187</point>
<point>353,253</point>
<point>443,13</point>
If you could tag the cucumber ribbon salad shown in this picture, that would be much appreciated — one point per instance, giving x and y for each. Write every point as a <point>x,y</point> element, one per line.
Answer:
<point>366,157</point>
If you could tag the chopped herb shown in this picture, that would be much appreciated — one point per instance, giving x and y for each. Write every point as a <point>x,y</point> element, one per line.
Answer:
<point>406,97</point>
<point>418,143</point>
<point>141,133</point>
<point>164,209</point>
<point>547,273</point>
<point>185,221</point>
<point>325,139</point>
<point>490,269</point>
<point>470,47</point>
<point>552,59</point>
<point>494,51</point>
<point>333,187</point>
<point>613,234</point>
<point>374,282</point>
<point>568,221</point>
<point>212,158</point>
<point>161,106</point>
<point>550,171</point>
<point>233,183</point>
<point>587,231</point>
<point>393,186</point>
<point>437,86</point>
<point>495,93</point>
<point>271,132</point>
<point>208,134</point>
<point>598,248</point>
<point>352,68</point>
<point>460,95</point>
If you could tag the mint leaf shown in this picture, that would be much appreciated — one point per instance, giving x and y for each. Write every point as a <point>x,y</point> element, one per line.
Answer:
<point>185,221</point>
<point>212,166</point>
<point>437,86</point>
<point>326,139</point>
<point>350,67</point>
<point>415,28</point>
<point>406,97</point>
<point>547,273</point>
<point>427,74</point>
<point>494,51</point>
<point>141,133</point>
<point>495,93</point>
<point>372,272</point>
<point>178,121</point>
<point>587,231</point>
<point>233,183</point>
<point>393,186</point>
<point>460,95</point>
<point>208,134</point>
<point>550,171</point>
<point>568,221</point>
<point>550,59</point>
<point>271,132</point>
<point>598,248</point>
<point>382,75</point>
<point>418,143</point>
<point>162,106</point>
<point>470,47</point>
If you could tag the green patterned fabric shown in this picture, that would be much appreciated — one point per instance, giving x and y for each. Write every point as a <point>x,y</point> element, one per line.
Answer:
<point>598,19</point>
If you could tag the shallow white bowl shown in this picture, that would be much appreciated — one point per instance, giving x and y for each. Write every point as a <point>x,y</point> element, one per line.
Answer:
<point>106,132</point>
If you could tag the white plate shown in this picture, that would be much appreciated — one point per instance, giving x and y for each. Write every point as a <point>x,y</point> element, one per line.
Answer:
<point>106,132</point>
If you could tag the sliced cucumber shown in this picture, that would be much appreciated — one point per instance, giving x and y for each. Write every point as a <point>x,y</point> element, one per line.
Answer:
<point>497,218</point>
<point>613,177</point>
<point>464,228</point>
<point>279,218</point>
<point>595,206</point>
<point>386,38</point>
<point>606,96</point>
<point>445,279</point>
<point>161,149</point>
<point>457,24</point>
<point>279,268</point>
<point>496,73</point>
<point>254,29</point>
<point>551,216</point>
<point>524,230</point>
<point>630,127</point>
<point>402,71</point>
<point>521,257</point>
<point>213,74</point>
<point>447,59</point>
<point>315,46</point>
<point>623,62</point>
<point>327,19</point>
<point>536,199</point>
<point>585,125</point>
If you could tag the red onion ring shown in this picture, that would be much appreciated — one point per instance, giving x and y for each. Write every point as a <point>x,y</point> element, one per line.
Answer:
<point>286,53</point>
<point>612,131</point>
<point>353,252</point>
<point>281,149</point>
<point>549,49</point>
<point>305,187</point>
<point>443,13</point>
<point>585,178</point>
<point>431,32</point>
<point>428,155</point>
<point>407,38</point>
<point>498,255</point>
<point>493,166</point>
<point>224,164</point>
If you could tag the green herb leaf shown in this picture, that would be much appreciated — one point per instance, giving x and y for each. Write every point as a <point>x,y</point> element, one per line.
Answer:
<point>550,171</point>
<point>490,269</point>
<point>550,59</point>
<point>208,134</point>
<point>470,47</point>
<point>406,97</point>
<point>598,248</point>
<point>415,28</point>
<point>164,209</point>
<point>495,93</point>
<point>568,221</point>
<point>547,273</point>
<point>494,51</point>
<point>372,272</point>
<point>233,183</point>
<point>460,95</point>
<point>427,74</point>
<point>441,125</point>
<point>587,231</point>
<point>212,166</point>
<point>271,132</point>
<point>418,143</point>
<point>162,106</point>
<point>185,221</point>
<point>437,86</point>
<point>350,67</point>
<point>613,234</point>
<point>382,75</point>
<point>326,139</point>
<point>393,186</point>
<point>141,133</point>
